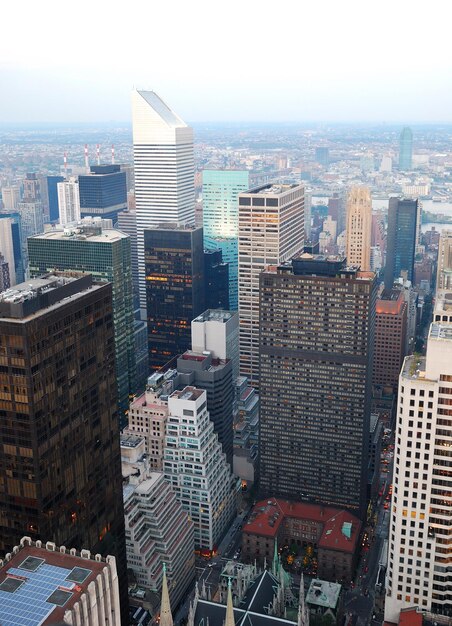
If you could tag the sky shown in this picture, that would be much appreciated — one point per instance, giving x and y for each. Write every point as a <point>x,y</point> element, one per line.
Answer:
<point>233,60</point>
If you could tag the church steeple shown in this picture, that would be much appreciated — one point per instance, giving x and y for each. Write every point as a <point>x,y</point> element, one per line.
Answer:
<point>166,619</point>
<point>229,620</point>
<point>303,612</point>
<point>276,563</point>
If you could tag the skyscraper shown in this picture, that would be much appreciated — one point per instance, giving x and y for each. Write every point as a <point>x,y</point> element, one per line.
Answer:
<point>68,201</point>
<point>60,430</point>
<point>103,192</point>
<point>421,510</point>
<point>316,342</point>
<point>174,280</point>
<point>271,230</point>
<point>216,274</point>
<point>5,281</point>
<point>217,332</point>
<point>406,149</point>
<point>390,338</point>
<point>164,169</point>
<point>359,227</point>
<point>104,253</point>
<point>403,215</point>
<point>444,272</point>
<point>52,194</point>
<point>220,191</point>
<point>10,197</point>
<point>10,246</point>
<point>127,223</point>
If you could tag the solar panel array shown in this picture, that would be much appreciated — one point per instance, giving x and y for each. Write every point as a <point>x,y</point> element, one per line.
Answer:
<point>29,605</point>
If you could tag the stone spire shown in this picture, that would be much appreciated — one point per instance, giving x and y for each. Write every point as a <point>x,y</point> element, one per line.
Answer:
<point>229,619</point>
<point>275,564</point>
<point>166,619</point>
<point>303,612</point>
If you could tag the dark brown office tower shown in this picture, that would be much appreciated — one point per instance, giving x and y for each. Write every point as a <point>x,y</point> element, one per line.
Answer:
<point>316,338</point>
<point>390,338</point>
<point>60,464</point>
<point>174,266</point>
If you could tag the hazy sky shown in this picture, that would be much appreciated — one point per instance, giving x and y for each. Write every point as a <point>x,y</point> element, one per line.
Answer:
<point>305,60</point>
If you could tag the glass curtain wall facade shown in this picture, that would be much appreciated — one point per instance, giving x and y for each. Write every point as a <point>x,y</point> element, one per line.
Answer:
<point>220,193</point>
<point>105,253</point>
<point>174,276</point>
<point>403,215</point>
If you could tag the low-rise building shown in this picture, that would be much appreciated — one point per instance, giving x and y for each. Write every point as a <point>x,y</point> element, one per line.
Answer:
<point>324,599</point>
<point>332,533</point>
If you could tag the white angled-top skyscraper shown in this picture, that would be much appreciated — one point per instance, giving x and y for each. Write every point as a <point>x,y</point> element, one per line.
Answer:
<point>164,169</point>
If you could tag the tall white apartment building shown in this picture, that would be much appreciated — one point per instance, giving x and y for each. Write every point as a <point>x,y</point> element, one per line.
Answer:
<point>419,573</point>
<point>68,201</point>
<point>196,467</point>
<point>164,169</point>
<point>271,230</point>
<point>157,528</point>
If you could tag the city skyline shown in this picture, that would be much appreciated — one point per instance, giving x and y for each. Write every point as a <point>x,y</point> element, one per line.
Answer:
<point>326,69</point>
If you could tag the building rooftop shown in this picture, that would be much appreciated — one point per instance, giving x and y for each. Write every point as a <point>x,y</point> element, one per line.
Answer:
<point>414,367</point>
<point>80,232</point>
<point>188,393</point>
<point>340,528</point>
<point>440,331</point>
<point>215,315</point>
<point>128,440</point>
<point>323,593</point>
<point>149,483</point>
<point>25,299</point>
<point>271,189</point>
<point>443,301</point>
<point>391,302</point>
<point>38,584</point>
<point>164,112</point>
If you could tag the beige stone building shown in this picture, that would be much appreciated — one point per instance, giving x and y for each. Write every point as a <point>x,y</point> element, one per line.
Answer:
<point>359,227</point>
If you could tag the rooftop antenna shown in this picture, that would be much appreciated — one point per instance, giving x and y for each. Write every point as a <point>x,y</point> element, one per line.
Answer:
<point>112,153</point>
<point>65,164</point>
<point>98,154</point>
<point>86,158</point>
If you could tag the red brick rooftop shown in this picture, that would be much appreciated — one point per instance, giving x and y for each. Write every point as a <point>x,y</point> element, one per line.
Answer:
<point>267,516</point>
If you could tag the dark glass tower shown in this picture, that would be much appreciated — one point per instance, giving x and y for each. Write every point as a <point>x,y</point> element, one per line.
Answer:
<point>217,280</point>
<point>316,341</point>
<point>52,193</point>
<point>406,149</point>
<point>174,274</point>
<point>103,192</point>
<point>60,462</point>
<point>403,215</point>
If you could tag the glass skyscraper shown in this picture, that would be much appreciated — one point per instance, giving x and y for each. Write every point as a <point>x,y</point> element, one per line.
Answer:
<point>220,193</point>
<point>403,216</point>
<point>174,279</point>
<point>104,253</point>
<point>103,192</point>
<point>406,149</point>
